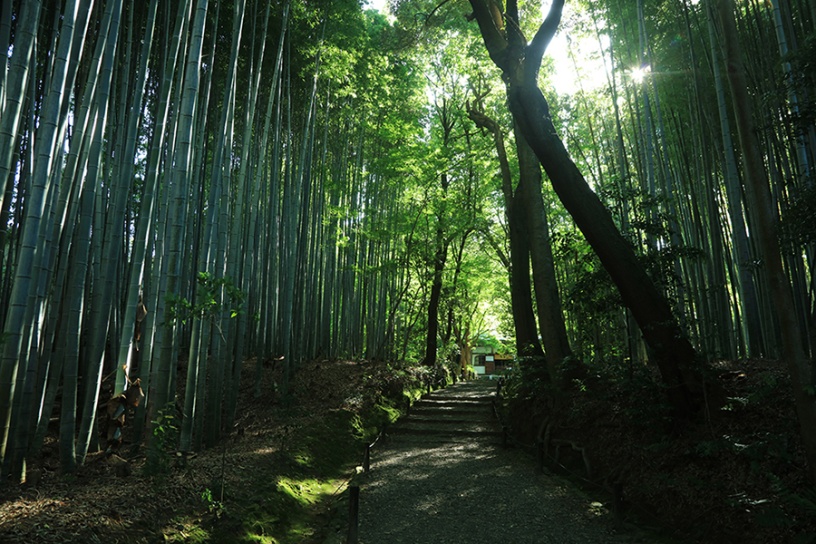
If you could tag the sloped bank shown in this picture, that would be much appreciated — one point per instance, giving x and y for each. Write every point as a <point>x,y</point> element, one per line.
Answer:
<point>734,475</point>
<point>275,477</point>
<point>336,409</point>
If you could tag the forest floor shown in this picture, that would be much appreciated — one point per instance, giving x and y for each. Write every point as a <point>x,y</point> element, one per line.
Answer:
<point>279,476</point>
<point>283,470</point>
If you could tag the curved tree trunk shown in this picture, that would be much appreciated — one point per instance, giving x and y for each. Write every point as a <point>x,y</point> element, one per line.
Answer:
<point>520,63</point>
<point>671,350</point>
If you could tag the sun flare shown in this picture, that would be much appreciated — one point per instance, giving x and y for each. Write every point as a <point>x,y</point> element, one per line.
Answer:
<point>639,73</point>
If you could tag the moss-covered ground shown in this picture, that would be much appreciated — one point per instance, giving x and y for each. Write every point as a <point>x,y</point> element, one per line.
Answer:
<point>279,475</point>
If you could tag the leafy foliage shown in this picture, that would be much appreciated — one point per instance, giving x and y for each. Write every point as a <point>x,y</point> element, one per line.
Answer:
<point>797,227</point>
<point>212,296</point>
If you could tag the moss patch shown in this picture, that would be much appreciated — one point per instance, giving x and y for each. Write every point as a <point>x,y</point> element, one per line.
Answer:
<point>305,481</point>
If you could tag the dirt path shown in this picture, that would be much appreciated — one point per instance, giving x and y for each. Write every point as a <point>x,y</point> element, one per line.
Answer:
<point>443,477</point>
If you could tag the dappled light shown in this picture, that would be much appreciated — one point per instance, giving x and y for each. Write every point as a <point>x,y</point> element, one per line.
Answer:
<point>480,488</point>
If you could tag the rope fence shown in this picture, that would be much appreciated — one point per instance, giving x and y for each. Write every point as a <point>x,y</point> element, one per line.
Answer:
<point>352,537</point>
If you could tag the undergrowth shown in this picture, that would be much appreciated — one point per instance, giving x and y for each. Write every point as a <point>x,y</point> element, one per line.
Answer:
<point>297,496</point>
<point>737,470</point>
<point>277,476</point>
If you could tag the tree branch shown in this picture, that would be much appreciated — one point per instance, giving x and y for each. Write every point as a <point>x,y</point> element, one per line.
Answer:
<point>491,241</point>
<point>515,37</point>
<point>431,14</point>
<point>483,121</point>
<point>542,38</point>
<point>492,31</point>
<point>511,10</point>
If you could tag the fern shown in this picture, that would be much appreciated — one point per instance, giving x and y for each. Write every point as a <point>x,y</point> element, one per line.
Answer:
<point>804,500</point>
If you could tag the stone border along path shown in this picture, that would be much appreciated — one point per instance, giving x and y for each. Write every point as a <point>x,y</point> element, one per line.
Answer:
<point>442,477</point>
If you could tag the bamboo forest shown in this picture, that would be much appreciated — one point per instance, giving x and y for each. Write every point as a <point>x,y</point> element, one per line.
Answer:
<point>245,244</point>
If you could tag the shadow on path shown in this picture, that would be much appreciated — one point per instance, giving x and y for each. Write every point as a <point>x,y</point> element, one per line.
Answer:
<point>443,477</point>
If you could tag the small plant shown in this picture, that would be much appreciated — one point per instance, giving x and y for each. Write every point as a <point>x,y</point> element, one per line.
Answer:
<point>214,506</point>
<point>165,433</point>
<point>580,385</point>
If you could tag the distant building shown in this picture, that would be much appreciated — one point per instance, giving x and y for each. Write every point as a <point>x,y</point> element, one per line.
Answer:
<point>486,362</point>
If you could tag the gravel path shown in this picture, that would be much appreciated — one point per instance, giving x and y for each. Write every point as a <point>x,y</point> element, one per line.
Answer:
<point>443,477</point>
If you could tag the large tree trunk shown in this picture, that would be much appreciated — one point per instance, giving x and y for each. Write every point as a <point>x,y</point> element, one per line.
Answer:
<point>548,302</point>
<point>671,350</point>
<point>431,338</point>
<point>440,256</point>
<point>521,300</point>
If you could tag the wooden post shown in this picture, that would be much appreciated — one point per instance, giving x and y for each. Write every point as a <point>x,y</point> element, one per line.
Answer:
<point>354,514</point>
<point>617,502</point>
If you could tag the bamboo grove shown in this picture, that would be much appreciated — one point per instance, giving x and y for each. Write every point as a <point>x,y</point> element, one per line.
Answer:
<point>190,181</point>
<point>659,141</point>
<point>194,187</point>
